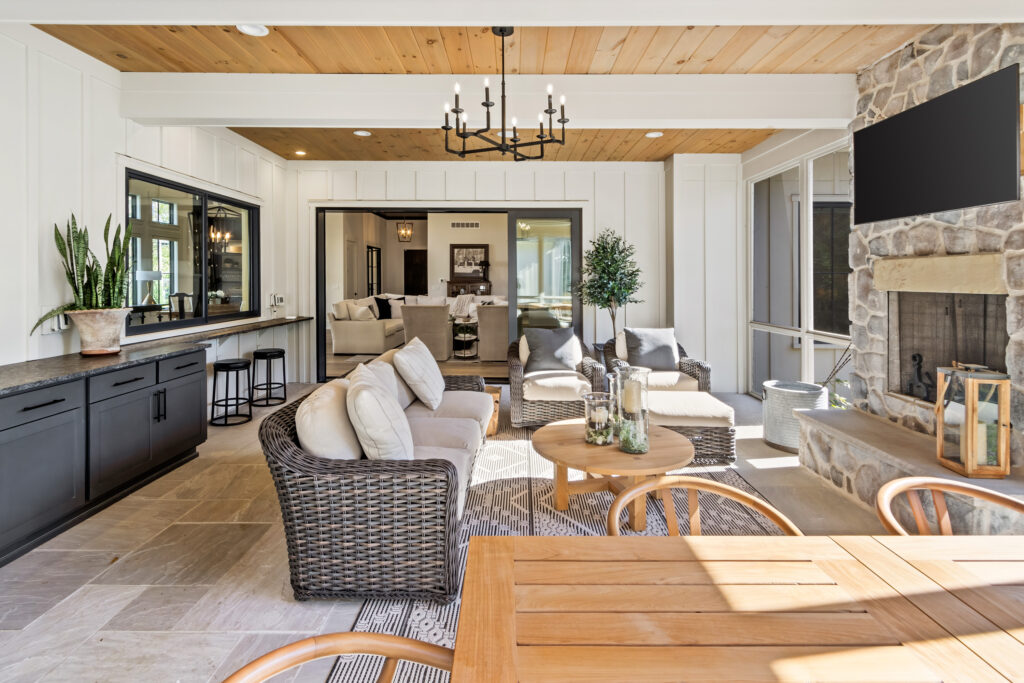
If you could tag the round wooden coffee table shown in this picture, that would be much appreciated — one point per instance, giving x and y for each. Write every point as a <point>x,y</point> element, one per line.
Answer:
<point>608,468</point>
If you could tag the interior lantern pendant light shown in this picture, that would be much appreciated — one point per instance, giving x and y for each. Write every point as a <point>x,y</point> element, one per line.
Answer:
<point>519,148</point>
<point>404,229</point>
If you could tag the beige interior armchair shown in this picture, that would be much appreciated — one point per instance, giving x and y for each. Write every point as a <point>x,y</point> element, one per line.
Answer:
<point>492,331</point>
<point>431,325</point>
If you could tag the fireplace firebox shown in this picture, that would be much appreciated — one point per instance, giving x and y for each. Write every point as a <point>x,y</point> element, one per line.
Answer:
<point>930,330</point>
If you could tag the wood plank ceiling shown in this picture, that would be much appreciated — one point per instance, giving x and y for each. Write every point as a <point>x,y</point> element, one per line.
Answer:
<point>427,144</point>
<point>475,50</point>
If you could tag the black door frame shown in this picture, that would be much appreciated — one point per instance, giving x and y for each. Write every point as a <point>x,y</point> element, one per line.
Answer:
<point>575,217</point>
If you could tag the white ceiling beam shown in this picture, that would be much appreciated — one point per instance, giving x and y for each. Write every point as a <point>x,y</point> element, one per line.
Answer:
<point>416,101</point>
<point>514,12</point>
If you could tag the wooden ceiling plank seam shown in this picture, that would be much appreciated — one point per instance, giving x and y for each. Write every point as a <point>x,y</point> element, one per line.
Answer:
<point>289,54</point>
<point>597,143</point>
<point>819,43</point>
<point>403,42</point>
<point>330,51</point>
<point>111,48</point>
<point>532,47</point>
<point>612,40</point>
<point>838,51</point>
<point>456,44</point>
<point>380,49</point>
<point>513,53</point>
<point>259,52</point>
<point>662,43</point>
<point>684,48</point>
<point>189,45</point>
<point>431,47</point>
<point>637,41</point>
<point>772,36</point>
<point>483,50</point>
<point>708,49</point>
<point>611,143</point>
<point>784,49</point>
<point>556,52</point>
<point>741,41</point>
<point>581,52</point>
<point>861,53</point>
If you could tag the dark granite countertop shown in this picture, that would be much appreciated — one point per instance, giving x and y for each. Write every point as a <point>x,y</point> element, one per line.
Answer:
<point>218,332</point>
<point>36,374</point>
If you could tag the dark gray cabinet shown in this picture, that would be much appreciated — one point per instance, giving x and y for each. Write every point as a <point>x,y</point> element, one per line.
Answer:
<point>70,448</point>
<point>134,432</point>
<point>42,473</point>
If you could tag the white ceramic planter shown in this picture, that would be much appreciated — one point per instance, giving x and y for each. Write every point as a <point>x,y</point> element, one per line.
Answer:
<point>100,330</point>
<point>781,398</point>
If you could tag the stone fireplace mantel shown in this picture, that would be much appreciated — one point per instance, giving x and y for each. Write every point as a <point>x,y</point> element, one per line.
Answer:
<point>954,274</point>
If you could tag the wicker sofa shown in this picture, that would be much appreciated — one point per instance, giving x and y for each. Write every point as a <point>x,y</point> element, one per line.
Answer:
<point>380,529</point>
<point>532,413</point>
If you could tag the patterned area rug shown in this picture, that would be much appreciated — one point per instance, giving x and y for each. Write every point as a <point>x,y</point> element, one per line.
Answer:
<point>511,495</point>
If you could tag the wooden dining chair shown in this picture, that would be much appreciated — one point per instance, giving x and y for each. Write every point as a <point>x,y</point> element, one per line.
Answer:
<point>665,485</point>
<point>915,487</point>
<point>392,648</point>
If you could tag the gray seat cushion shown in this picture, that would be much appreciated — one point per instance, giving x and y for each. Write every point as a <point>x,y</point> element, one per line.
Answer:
<point>474,405</point>
<point>462,459</point>
<point>550,349</point>
<point>653,348</point>
<point>446,432</point>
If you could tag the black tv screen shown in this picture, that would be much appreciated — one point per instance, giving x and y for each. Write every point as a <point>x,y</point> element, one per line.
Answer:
<point>960,149</point>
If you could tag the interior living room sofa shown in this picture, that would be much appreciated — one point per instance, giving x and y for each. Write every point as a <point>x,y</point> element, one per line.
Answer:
<point>378,528</point>
<point>363,336</point>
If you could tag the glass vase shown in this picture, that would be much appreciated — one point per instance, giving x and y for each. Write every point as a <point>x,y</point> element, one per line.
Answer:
<point>613,391</point>
<point>597,412</point>
<point>633,423</point>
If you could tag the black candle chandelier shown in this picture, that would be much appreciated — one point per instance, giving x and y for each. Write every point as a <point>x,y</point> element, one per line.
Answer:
<point>506,145</point>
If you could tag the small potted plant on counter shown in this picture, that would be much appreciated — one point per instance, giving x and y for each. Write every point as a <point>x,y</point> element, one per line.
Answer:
<point>100,292</point>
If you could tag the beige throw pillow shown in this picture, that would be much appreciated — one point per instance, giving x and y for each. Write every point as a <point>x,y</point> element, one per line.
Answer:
<point>378,420</point>
<point>419,369</point>
<point>357,312</point>
<point>323,425</point>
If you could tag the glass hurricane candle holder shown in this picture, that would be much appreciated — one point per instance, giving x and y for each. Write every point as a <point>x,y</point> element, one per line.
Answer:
<point>633,424</point>
<point>613,390</point>
<point>972,416</point>
<point>597,410</point>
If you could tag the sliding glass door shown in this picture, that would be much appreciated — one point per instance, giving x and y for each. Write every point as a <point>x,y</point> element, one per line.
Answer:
<point>544,264</point>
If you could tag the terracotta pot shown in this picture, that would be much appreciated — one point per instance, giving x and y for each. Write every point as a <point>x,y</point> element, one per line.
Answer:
<point>100,330</point>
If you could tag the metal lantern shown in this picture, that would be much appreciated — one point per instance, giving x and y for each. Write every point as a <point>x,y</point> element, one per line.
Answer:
<point>972,421</point>
<point>404,229</point>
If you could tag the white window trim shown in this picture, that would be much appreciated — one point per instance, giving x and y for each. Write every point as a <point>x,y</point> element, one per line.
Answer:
<point>804,335</point>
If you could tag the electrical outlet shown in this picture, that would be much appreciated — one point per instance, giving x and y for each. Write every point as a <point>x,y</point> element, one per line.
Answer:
<point>278,300</point>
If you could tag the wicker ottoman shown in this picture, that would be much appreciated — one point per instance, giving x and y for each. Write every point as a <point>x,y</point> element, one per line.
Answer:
<point>700,417</point>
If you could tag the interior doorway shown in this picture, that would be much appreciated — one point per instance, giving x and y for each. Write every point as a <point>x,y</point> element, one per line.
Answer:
<point>415,272</point>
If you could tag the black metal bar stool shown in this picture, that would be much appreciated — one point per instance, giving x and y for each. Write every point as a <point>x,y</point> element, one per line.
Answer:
<point>268,386</point>
<point>231,403</point>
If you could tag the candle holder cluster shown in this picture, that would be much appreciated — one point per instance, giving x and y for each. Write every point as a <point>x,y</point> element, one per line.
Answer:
<point>513,145</point>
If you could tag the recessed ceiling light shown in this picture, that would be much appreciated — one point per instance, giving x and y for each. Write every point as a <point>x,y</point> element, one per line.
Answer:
<point>653,134</point>
<point>362,133</point>
<point>300,152</point>
<point>254,30</point>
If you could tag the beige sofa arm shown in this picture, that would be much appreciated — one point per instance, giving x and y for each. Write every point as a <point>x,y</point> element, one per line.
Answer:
<point>354,336</point>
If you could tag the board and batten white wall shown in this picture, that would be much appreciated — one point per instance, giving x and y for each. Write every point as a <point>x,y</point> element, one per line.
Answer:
<point>627,197</point>
<point>706,255</point>
<point>65,150</point>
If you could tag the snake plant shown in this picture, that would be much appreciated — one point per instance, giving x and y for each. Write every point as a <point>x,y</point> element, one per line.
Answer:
<point>94,286</point>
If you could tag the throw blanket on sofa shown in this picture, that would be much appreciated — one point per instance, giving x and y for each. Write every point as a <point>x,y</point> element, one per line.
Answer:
<point>460,309</point>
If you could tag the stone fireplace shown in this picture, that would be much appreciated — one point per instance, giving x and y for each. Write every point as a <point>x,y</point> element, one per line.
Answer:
<point>981,321</point>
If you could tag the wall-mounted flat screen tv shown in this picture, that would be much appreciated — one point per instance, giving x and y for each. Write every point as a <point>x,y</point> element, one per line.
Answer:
<point>960,149</point>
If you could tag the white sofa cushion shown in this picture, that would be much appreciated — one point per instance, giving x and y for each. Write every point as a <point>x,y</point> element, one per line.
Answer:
<point>474,405</point>
<point>446,432</point>
<point>396,308</point>
<point>420,371</point>
<point>393,326</point>
<point>371,303</point>
<point>323,425</point>
<point>378,420</point>
<point>430,300</point>
<point>340,310</point>
<point>671,380</point>
<point>555,385</point>
<point>688,409</point>
<point>403,392</point>
<point>463,461</point>
<point>359,313</point>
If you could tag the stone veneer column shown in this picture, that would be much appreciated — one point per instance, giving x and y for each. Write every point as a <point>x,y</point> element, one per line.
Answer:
<point>944,58</point>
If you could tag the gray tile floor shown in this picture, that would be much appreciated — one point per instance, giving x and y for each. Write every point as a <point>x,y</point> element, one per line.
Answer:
<point>187,579</point>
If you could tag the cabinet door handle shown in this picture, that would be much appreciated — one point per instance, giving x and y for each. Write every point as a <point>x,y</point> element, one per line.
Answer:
<point>156,407</point>
<point>43,405</point>
<point>163,404</point>
<point>128,381</point>
<point>186,365</point>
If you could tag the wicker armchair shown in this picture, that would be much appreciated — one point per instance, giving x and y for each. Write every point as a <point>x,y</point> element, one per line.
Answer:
<point>534,413</point>
<point>697,369</point>
<point>380,529</point>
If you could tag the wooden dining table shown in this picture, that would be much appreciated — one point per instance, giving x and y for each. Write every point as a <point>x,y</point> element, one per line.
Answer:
<point>766,608</point>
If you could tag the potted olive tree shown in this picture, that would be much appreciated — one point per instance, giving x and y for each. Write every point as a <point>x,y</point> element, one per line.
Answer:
<point>100,292</point>
<point>610,277</point>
